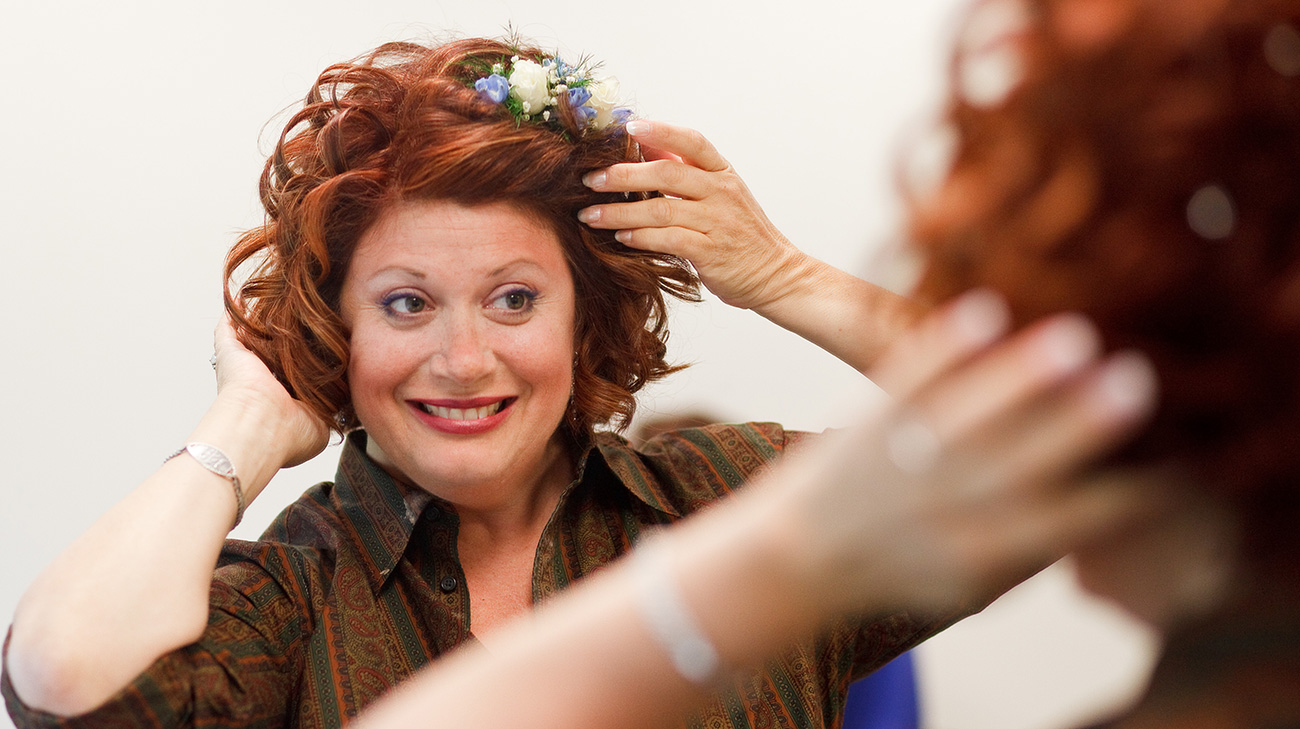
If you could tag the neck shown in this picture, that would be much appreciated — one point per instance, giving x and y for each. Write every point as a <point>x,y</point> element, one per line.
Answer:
<point>521,511</point>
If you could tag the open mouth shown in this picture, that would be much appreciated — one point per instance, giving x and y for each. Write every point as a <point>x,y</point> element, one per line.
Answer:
<point>478,413</point>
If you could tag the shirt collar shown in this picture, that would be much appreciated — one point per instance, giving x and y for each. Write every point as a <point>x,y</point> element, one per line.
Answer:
<point>631,469</point>
<point>381,512</point>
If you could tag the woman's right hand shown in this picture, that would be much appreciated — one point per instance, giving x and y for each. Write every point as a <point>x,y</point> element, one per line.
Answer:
<point>244,379</point>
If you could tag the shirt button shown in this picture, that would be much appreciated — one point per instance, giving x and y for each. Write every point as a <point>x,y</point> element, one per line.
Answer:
<point>447,584</point>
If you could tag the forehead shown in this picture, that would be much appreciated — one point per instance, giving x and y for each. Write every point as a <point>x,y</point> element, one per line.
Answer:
<point>445,232</point>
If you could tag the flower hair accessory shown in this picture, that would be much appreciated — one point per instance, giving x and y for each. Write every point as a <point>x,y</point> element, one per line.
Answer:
<point>531,91</point>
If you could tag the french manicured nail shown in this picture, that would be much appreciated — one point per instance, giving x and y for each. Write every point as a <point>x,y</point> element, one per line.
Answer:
<point>595,180</point>
<point>623,236</point>
<point>1128,383</point>
<point>638,126</point>
<point>589,215</point>
<point>980,316</point>
<point>1069,342</point>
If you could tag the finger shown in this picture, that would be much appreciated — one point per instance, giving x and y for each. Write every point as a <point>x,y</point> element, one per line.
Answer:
<point>651,154</point>
<point>688,144</point>
<point>223,339</point>
<point>674,241</point>
<point>940,341</point>
<point>657,212</point>
<point>666,176</point>
<point>1062,431</point>
<point>1012,372</point>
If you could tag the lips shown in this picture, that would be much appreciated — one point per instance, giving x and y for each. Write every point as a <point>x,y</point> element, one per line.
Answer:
<point>463,417</point>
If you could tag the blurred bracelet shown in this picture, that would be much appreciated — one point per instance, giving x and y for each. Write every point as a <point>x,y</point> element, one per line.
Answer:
<point>211,458</point>
<point>660,603</point>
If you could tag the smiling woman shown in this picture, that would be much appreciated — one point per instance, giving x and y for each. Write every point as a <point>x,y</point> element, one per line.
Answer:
<point>461,324</point>
<point>423,285</point>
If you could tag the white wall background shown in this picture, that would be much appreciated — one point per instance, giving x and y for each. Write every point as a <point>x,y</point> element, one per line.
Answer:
<point>131,147</point>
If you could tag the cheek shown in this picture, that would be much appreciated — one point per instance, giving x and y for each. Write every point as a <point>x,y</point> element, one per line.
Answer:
<point>375,368</point>
<point>544,359</point>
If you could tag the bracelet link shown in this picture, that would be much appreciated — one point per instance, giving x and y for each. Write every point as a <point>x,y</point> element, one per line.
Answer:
<point>213,459</point>
<point>665,612</point>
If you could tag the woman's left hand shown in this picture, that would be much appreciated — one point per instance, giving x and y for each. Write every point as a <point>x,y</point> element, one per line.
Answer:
<point>711,219</point>
<point>709,216</point>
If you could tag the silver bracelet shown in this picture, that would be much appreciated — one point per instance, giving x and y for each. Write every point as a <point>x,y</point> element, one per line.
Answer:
<point>211,458</point>
<point>665,611</point>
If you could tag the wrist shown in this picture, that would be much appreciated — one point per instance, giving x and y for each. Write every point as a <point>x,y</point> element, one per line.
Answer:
<point>795,279</point>
<point>772,599</point>
<point>785,279</point>
<point>251,432</point>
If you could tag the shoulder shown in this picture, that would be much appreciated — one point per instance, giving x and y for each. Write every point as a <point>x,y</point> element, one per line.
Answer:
<point>742,447</point>
<point>688,468</point>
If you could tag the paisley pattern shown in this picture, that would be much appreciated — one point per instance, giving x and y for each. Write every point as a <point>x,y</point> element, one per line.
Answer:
<point>357,585</point>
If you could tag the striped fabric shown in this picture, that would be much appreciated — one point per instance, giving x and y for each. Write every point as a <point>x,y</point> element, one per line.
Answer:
<point>356,585</point>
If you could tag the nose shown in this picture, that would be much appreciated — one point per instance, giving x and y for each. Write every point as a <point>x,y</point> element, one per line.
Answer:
<point>464,355</point>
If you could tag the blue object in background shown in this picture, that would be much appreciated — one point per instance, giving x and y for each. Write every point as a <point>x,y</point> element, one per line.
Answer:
<point>887,699</point>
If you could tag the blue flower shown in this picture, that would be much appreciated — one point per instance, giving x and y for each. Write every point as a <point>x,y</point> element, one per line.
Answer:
<point>494,88</point>
<point>585,115</point>
<point>621,115</point>
<point>579,96</point>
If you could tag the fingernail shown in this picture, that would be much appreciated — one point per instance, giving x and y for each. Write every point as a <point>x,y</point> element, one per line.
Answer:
<point>589,215</point>
<point>595,180</point>
<point>1127,383</point>
<point>1069,342</point>
<point>638,126</point>
<point>623,236</point>
<point>980,316</point>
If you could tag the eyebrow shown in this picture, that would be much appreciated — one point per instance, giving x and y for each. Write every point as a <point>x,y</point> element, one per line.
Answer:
<point>400,269</point>
<point>516,263</point>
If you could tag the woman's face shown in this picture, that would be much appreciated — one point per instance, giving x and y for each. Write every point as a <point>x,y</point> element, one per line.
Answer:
<point>462,325</point>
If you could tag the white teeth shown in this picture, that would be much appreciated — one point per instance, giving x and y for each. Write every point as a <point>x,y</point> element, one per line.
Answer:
<point>463,413</point>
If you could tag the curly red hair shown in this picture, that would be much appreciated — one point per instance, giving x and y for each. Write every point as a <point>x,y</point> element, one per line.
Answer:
<point>1145,170</point>
<point>404,122</point>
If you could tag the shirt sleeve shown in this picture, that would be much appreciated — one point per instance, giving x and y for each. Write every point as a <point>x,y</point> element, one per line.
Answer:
<point>239,674</point>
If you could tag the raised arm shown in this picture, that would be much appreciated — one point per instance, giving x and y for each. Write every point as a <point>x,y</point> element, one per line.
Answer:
<point>710,218</point>
<point>135,585</point>
<point>891,514</point>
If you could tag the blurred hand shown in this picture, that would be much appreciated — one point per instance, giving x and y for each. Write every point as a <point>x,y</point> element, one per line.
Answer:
<point>709,216</point>
<point>976,475</point>
<point>1173,567</point>
<point>244,378</point>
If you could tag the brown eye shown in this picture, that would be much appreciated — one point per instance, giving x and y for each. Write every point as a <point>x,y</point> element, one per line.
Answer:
<point>515,300</point>
<point>407,304</point>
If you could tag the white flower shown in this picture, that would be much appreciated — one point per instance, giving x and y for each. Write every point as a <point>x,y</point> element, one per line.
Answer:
<point>528,84</point>
<point>604,97</point>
